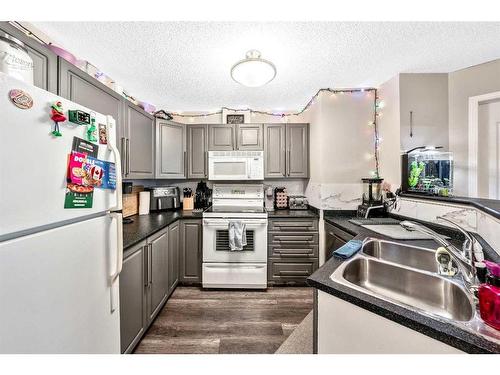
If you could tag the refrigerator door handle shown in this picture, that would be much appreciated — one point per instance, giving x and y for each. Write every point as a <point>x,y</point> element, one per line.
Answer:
<point>119,257</point>
<point>118,164</point>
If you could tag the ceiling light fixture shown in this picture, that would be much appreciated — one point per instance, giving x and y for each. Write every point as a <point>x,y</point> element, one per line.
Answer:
<point>253,71</point>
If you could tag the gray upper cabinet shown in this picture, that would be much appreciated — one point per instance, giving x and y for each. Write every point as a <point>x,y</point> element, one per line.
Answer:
<point>139,135</point>
<point>190,251</point>
<point>197,147</point>
<point>170,149</point>
<point>274,151</point>
<point>81,88</point>
<point>286,150</point>
<point>173,256</point>
<point>297,147</point>
<point>221,137</point>
<point>157,272</point>
<point>133,280</point>
<point>250,137</point>
<point>44,60</point>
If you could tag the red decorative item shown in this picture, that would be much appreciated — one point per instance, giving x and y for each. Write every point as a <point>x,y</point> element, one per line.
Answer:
<point>57,115</point>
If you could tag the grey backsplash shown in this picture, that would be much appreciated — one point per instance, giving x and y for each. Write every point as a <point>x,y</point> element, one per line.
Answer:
<point>293,186</point>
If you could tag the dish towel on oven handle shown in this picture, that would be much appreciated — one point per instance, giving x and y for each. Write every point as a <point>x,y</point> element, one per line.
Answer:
<point>237,235</point>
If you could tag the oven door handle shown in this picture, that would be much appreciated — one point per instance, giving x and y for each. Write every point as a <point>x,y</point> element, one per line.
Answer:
<point>214,223</point>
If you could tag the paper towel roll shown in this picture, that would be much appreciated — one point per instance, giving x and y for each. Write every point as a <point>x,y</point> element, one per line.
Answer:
<point>144,203</point>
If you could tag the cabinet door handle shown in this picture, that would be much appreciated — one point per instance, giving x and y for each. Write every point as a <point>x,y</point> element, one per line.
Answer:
<point>127,141</point>
<point>294,273</point>
<point>283,153</point>
<point>185,164</point>
<point>146,266</point>
<point>205,161</point>
<point>289,162</point>
<point>150,264</point>
<point>123,154</point>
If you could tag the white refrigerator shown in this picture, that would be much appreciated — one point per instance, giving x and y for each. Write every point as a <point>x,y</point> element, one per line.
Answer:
<point>59,267</point>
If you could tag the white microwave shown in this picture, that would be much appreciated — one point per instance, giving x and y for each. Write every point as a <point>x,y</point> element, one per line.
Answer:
<point>235,165</point>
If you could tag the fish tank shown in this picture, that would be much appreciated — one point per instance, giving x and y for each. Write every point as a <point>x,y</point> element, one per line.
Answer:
<point>428,171</point>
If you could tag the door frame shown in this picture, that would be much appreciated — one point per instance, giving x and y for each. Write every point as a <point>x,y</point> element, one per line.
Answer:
<point>474,102</point>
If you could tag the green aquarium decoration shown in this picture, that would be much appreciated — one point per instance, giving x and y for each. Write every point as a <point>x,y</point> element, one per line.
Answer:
<point>430,171</point>
<point>416,169</point>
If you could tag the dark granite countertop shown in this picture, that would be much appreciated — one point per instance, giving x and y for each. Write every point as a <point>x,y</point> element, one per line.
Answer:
<point>311,212</point>
<point>439,329</point>
<point>489,206</point>
<point>146,225</point>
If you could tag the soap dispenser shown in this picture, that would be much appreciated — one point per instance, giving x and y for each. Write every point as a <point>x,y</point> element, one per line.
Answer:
<point>489,296</point>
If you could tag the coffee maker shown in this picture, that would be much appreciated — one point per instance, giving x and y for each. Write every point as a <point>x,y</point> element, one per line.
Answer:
<point>203,196</point>
<point>372,197</point>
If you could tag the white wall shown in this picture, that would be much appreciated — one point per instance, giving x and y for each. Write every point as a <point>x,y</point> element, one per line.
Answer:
<point>426,95</point>
<point>462,84</point>
<point>389,132</point>
<point>341,148</point>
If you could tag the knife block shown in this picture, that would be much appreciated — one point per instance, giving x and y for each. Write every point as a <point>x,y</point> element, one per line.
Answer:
<point>188,203</point>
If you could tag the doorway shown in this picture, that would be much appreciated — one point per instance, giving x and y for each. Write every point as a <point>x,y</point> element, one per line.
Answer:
<point>484,146</point>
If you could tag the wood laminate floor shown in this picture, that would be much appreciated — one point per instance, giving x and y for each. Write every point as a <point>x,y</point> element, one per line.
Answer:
<point>214,321</point>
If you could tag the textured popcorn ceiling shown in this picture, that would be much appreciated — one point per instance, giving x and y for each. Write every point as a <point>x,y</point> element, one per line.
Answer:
<point>184,66</point>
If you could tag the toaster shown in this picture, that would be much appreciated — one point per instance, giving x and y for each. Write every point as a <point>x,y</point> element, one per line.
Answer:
<point>297,202</point>
<point>164,198</point>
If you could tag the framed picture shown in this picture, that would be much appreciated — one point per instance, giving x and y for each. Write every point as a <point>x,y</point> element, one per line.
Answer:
<point>235,117</point>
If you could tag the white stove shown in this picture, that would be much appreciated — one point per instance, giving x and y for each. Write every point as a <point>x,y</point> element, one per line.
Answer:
<point>226,268</point>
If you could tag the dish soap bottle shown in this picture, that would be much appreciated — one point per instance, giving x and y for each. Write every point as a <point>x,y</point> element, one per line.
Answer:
<point>489,296</point>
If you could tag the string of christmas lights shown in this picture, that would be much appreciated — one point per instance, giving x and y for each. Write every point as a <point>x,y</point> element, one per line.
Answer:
<point>376,113</point>
<point>275,114</point>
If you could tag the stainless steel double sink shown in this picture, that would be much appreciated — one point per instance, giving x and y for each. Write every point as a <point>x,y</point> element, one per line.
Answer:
<point>406,275</point>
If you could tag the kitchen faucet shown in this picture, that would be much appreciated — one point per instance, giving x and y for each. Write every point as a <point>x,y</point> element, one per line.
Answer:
<point>372,208</point>
<point>464,258</point>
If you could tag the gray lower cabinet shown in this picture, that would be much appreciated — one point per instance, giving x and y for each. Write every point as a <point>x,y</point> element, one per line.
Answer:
<point>293,250</point>
<point>173,256</point>
<point>221,137</point>
<point>170,149</point>
<point>138,131</point>
<point>190,257</point>
<point>133,284</point>
<point>44,60</point>
<point>158,271</point>
<point>149,275</point>
<point>197,150</point>
<point>286,150</point>
<point>334,239</point>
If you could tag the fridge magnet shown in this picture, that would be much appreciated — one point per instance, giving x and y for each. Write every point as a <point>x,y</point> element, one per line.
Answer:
<point>76,168</point>
<point>88,148</point>
<point>92,130</point>
<point>100,173</point>
<point>57,115</point>
<point>103,134</point>
<point>88,171</point>
<point>78,196</point>
<point>79,117</point>
<point>21,99</point>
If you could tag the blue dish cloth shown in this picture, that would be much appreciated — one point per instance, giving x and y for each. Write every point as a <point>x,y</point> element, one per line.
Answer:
<point>348,250</point>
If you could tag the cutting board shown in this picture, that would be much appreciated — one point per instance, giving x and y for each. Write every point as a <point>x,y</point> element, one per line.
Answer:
<point>130,202</point>
<point>397,232</point>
